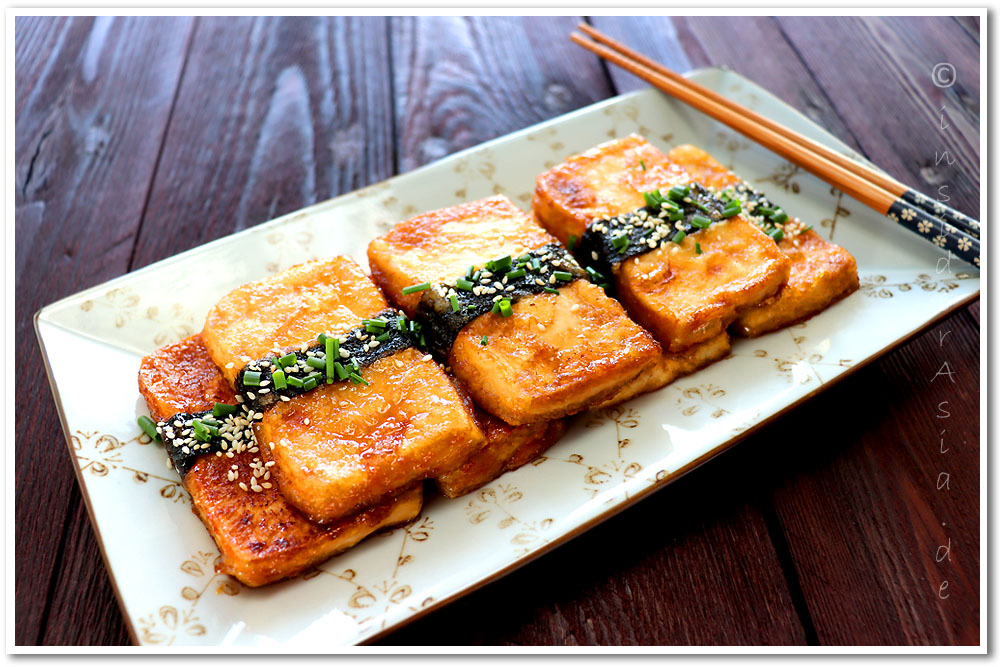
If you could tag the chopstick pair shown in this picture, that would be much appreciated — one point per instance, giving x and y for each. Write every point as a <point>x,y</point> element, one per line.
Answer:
<point>940,224</point>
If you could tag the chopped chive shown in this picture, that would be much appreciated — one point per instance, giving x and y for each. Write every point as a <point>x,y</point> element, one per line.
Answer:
<point>806,229</point>
<point>223,409</point>
<point>279,380</point>
<point>332,353</point>
<point>697,248</point>
<point>496,307</point>
<point>679,192</point>
<point>322,338</point>
<point>357,379</point>
<point>653,198</point>
<point>700,221</point>
<point>200,431</point>
<point>333,350</point>
<point>383,337</point>
<point>594,275</point>
<point>339,369</point>
<point>536,264</point>
<point>251,378</point>
<point>780,216</point>
<point>500,264</point>
<point>562,275</point>
<point>777,235</point>
<point>400,323</point>
<point>476,276</point>
<point>505,309</point>
<point>551,290</point>
<point>679,236</point>
<point>675,215</point>
<point>148,426</point>
<point>310,383</point>
<point>209,421</point>
<point>287,360</point>
<point>316,362</point>
<point>765,211</point>
<point>471,306</point>
<point>642,163</point>
<point>416,288</point>
<point>454,302</point>
<point>524,259</point>
<point>732,209</point>
<point>484,341</point>
<point>571,242</point>
<point>213,430</point>
<point>620,242</point>
<point>464,284</point>
<point>516,273</point>
<point>469,271</point>
<point>294,382</point>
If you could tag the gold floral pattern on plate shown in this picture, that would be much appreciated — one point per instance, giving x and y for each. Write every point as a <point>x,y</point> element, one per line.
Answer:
<point>99,454</point>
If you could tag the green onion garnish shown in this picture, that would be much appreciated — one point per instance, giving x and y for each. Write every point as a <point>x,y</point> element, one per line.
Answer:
<point>524,259</point>
<point>223,409</point>
<point>732,209</point>
<point>279,379</point>
<point>469,271</point>
<point>294,382</point>
<point>287,360</point>
<point>332,353</point>
<point>356,379</point>
<point>551,290</point>
<point>316,362</point>
<point>464,284</point>
<point>321,338</point>
<point>642,164</point>
<point>700,221</point>
<point>776,234</point>
<point>496,307</point>
<point>500,264</point>
<point>675,215</point>
<point>536,264</point>
<point>679,236</point>
<point>251,378</point>
<point>453,298</point>
<point>383,337</point>
<point>201,431</point>
<point>620,242</point>
<point>594,275</point>
<point>310,383</point>
<point>653,198</point>
<point>505,309</point>
<point>697,248</point>
<point>212,430</point>
<point>516,273</point>
<point>806,229</point>
<point>416,288</point>
<point>779,216</point>
<point>209,421</point>
<point>484,341</point>
<point>148,426</point>
<point>679,192</point>
<point>562,275</point>
<point>765,211</point>
<point>571,242</point>
<point>339,369</point>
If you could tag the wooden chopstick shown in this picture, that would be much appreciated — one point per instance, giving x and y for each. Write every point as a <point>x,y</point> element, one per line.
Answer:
<point>917,199</point>
<point>917,220</point>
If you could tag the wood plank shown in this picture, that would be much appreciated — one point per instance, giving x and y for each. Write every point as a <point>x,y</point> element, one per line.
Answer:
<point>900,54</point>
<point>711,41</point>
<point>307,116</point>
<point>288,139</point>
<point>456,84</point>
<point>610,585</point>
<point>93,97</point>
<point>692,564</point>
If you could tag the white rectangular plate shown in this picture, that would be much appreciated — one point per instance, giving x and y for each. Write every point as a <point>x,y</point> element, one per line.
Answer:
<point>161,558</point>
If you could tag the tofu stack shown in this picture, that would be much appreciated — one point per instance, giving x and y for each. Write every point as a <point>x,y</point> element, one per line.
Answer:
<point>821,272</point>
<point>684,265</point>
<point>550,345</point>
<point>262,538</point>
<point>346,444</point>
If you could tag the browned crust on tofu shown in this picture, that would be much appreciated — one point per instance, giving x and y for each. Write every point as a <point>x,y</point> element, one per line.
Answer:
<point>682,297</point>
<point>261,538</point>
<point>507,448</point>
<point>670,367</point>
<point>555,355</point>
<point>289,308</point>
<point>821,272</point>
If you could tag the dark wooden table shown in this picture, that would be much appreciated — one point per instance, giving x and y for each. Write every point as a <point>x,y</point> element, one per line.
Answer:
<point>140,138</point>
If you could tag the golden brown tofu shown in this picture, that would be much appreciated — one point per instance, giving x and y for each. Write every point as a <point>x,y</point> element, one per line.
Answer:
<point>507,448</point>
<point>343,446</point>
<point>260,536</point>
<point>670,367</point>
<point>556,354</point>
<point>283,310</point>
<point>821,272</point>
<point>684,297</point>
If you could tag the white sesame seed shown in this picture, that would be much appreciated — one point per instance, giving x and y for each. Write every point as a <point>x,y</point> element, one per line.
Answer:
<point>243,486</point>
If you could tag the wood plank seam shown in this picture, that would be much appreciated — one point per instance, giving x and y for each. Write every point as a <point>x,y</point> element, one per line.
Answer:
<point>784,553</point>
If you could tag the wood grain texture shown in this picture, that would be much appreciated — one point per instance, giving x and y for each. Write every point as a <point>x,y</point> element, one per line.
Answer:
<point>273,115</point>
<point>455,87</point>
<point>139,138</point>
<point>92,100</point>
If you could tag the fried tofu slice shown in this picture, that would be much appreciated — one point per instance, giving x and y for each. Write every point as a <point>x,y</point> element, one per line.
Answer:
<point>342,446</point>
<point>683,296</point>
<point>261,537</point>
<point>507,448</point>
<point>821,272</point>
<point>670,367</point>
<point>555,355</point>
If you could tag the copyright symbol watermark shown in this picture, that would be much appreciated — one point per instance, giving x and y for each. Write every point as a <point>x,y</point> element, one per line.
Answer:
<point>943,75</point>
